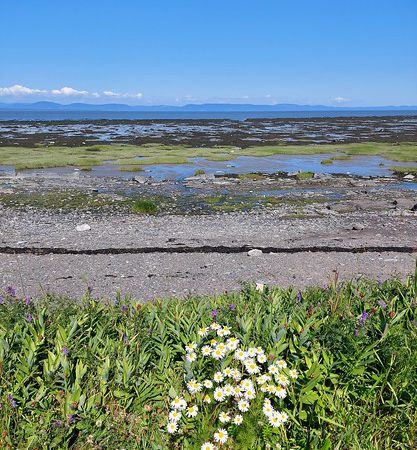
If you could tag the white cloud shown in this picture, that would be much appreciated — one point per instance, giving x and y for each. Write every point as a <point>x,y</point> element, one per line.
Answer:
<point>341,99</point>
<point>18,89</point>
<point>68,91</point>
<point>110,93</point>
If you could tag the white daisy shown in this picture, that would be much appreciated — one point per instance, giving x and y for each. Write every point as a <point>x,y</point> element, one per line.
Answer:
<point>280,392</point>
<point>206,350</point>
<point>219,395</point>
<point>172,427</point>
<point>243,405</point>
<point>208,384</point>
<point>218,377</point>
<point>240,355</point>
<point>178,403</point>
<point>293,374</point>
<point>190,347</point>
<point>207,399</point>
<point>282,379</point>
<point>232,343</point>
<point>203,332</point>
<point>273,369</point>
<point>192,411</point>
<point>175,416</point>
<point>191,357</point>
<point>228,390</point>
<point>261,359</point>
<point>238,419</point>
<point>224,417</point>
<point>217,353</point>
<point>207,446</point>
<point>281,364</point>
<point>221,436</point>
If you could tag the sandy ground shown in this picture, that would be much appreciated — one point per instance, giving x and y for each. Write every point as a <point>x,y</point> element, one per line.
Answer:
<point>167,274</point>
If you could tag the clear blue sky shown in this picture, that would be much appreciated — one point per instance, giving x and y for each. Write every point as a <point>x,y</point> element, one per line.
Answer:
<point>348,52</point>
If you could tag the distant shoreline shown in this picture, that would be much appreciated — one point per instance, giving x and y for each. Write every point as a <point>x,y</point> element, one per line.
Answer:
<point>72,115</point>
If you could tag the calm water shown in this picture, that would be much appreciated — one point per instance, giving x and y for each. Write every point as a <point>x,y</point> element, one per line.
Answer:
<point>113,115</point>
<point>360,165</point>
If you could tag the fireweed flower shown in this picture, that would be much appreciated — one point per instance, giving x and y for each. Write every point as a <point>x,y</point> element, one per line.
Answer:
<point>11,291</point>
<point>382,304</point>
<point>12,401</point>
<point>363,317</point>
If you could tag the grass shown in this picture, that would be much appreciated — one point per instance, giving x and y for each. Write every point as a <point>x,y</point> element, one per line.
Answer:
<point>144,207</point>
<point>199,172</point>
<point>70,200</point>
<point>326,162</point>
<point>404,170</point>
<point>137,156</point>
<point>101,374</point>
<point>305,175</point>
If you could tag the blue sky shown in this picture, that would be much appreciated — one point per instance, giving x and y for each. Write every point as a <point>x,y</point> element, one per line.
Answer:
<point>347,52</point>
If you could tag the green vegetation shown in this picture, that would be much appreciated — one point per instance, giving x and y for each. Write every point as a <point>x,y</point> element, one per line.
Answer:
<point>327,162</point>
<point>199,172</point>
<point>136,156</point>
<point>149,204</point>
<point>102,374</point>
<point>144,207</point>
<point>252,176</point>
<point>305,175</point>
<point>130,169</point>
<point>404,170</point>
<point>65,200</point>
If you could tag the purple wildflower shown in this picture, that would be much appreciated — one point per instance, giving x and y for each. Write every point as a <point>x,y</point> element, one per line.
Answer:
<point>232,307</point>
<point>356,332</point>
<point>299,297</point>
<point>11,291</point>
<point>124,308</point>
<point>12,401</point>
<point>70,418</point>
<point>1,299</point>
<point>27,300</point>
<point>124,338</point>
<point>58,423</point>
<point>214,314</point>
<point>29,317</point>
<point>382,304</point>
<point>65,351</point>
<point>363,317</point>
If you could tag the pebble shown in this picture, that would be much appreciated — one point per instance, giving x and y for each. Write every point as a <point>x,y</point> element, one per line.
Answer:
<point>83,227</point>
<point>255,252</point>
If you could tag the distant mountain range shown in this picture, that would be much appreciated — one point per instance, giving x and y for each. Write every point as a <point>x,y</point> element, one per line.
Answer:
<point>205,107</point>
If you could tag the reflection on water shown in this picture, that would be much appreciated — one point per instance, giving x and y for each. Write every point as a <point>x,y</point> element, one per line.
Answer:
<point>360,166</point>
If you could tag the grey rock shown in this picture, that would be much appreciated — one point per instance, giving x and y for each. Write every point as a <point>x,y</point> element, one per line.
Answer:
<point>255,252</point>
<point>141,179</point>
<point>358,226</point>
<point>83,227</point>
<point>409,177</point>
